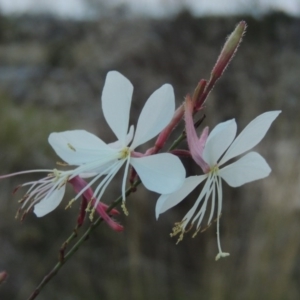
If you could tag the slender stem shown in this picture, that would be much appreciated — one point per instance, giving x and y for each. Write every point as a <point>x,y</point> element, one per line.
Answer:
<point>178,141</point>
<point>84,237</point>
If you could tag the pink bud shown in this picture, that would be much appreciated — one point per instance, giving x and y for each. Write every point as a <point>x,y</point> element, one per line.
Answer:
<point>229,50</point>
<point>223,61</point>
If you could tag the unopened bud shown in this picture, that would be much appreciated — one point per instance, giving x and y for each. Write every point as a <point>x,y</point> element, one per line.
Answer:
<point>223,61</point>
<point>229,50</point>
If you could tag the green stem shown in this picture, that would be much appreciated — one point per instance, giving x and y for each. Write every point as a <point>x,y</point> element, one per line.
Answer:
<point>84,237</point>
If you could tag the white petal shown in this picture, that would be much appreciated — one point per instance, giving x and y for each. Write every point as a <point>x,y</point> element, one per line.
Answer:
<point>77,147</point>
<point>250,167</point>
<point>251,135</point>
<point>161,173</point>
<point>167,201</point>
<point>116,101</point>
<point>118,145</point>
<point>218,141</point>
<point>48,204</point>
<point>155,116</point>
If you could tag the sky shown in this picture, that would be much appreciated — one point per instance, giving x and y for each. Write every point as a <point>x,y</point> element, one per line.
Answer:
<point>156,8</point>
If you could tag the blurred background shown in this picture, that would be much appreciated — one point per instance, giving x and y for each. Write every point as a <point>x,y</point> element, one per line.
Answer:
<point>54,56</point>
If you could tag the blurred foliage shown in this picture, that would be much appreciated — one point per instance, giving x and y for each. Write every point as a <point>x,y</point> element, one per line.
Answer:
<point>51,77</point>
<point>24,131</point>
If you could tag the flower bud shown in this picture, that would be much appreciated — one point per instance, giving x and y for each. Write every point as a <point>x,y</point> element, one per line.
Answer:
<point>229,50</point>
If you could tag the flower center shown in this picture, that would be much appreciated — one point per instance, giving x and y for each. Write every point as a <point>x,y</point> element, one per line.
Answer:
<point>124,153</point>
<point>214,169</point>
<point>56,174</point>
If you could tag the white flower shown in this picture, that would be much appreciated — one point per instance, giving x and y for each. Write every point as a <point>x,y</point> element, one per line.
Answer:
<point>161,173</point>
<point>44,194</point>
<point>250,167</point>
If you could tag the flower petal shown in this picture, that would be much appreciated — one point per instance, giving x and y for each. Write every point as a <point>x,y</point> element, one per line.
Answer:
<point>48,204</point>
<point>168,201</point>
<point>118,145</point>
<point>116,101</point>
<point>77,147</point>
<point>250,167</point>
<point>218,141</point>
<point>155,116</point>
<point>251,135</point>
<point>196,145</point>
<point>161,173</point>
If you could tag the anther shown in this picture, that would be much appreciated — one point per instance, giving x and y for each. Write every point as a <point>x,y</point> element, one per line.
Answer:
<point>180,238</point>
<point>196,232</point>
<point>70,204</point>
<point>221,255</point>
<point>17,213</point>
<point>124,208</point>
<point>91,216</point>
<point>88,208</point>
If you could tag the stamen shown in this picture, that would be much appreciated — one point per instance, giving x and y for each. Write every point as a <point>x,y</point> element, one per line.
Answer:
<point>189,229</point>
<point>105,182</point>
<point>205,228</point>
<point>124,208</point>
<point>57,176</point>
<point>196,232</point>
<point>88,207</point>
<point>112,170</point>
<point>221,255</point>
<point>180,228</point>
<point>24,215</point>
<point>124,180</point>
<point>17,213</point>
<point>180,238</point>
<point>62,183</point>
<point>213,202</point>
<point>70,203</point>
<point>124,153</point>
<point>176,229</point>
<point>201,213</point>
<point>40,189</point>
<point>91,216</point>
<point>16,189</point>
<point>23,199</point>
